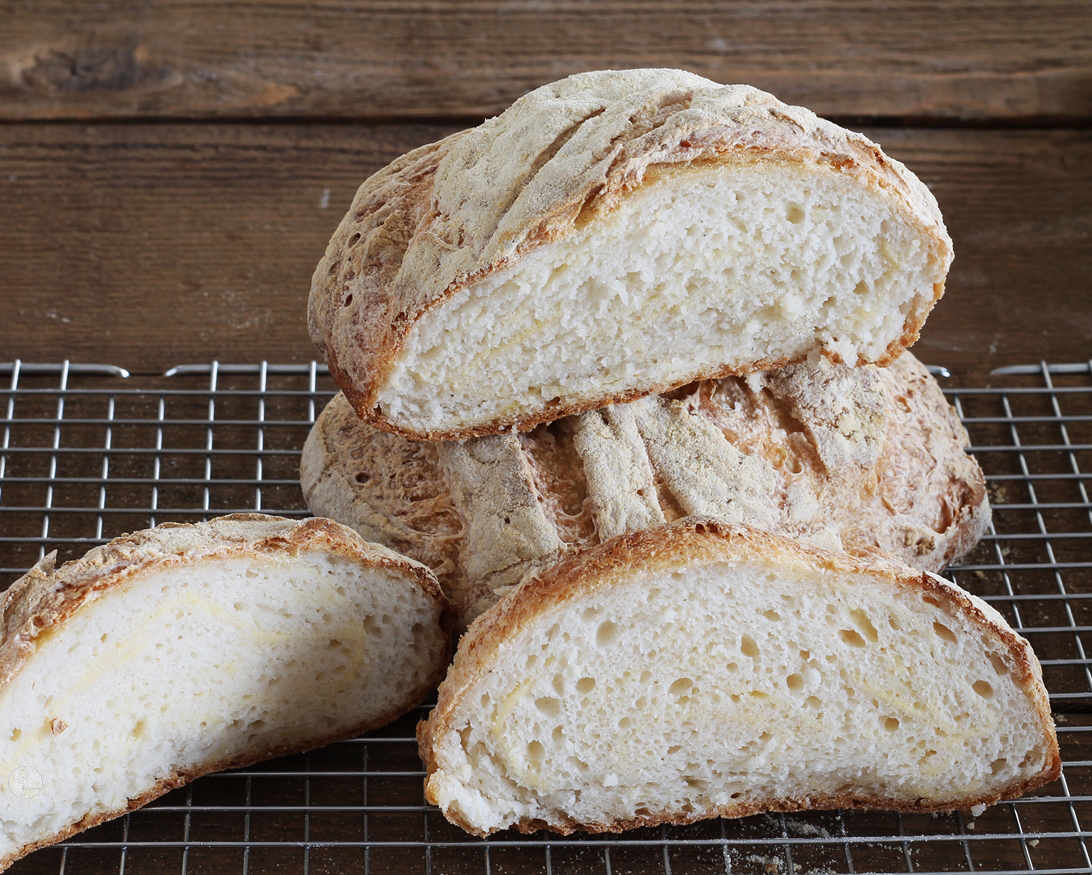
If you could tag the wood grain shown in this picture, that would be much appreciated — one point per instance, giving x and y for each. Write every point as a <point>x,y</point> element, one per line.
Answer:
<point>155,245</point>
<point>370,59</point>
<point>151,245</point>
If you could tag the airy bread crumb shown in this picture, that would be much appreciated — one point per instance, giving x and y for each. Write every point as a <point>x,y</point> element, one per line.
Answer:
<point>750,264</point>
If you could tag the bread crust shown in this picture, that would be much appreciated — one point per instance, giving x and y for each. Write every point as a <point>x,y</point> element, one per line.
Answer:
<point>40,602</point>
<point>565,155</point>
<point>688,543</point>
<point>859,458</point>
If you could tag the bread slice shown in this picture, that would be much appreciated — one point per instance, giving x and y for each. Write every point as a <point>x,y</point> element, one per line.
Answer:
<point>613,235</point>
<point>828,454</point>
<point>187,649</point>
<point>700,670</point>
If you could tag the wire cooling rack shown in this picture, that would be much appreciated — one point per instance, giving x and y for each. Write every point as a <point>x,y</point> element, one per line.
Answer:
<point>88,453</point>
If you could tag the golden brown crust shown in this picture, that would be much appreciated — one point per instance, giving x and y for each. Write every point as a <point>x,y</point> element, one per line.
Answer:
<point>362,259</point>
<point>450,213</point>
<point>689,542</point>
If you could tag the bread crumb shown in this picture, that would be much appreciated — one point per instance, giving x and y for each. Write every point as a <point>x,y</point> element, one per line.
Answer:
<point>770,865</point>
<point>803,828</point>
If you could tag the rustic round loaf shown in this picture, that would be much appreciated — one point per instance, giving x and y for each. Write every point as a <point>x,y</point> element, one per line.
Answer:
<point>854,458</point>
<point>614,235</point>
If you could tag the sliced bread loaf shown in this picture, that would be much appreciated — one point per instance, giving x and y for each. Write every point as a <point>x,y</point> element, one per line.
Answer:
<point>697,670</point>
<point>613,235</point>
<point>187,649</point>
<point>844,457</point>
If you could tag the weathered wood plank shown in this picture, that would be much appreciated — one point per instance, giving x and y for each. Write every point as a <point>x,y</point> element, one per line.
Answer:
<point>161,244</point>
<point>151,245</point>
<point>1019,209</point>
<point>357,59</point>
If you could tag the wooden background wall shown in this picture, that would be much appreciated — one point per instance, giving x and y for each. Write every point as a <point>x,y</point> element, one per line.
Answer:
<point>170,172</point>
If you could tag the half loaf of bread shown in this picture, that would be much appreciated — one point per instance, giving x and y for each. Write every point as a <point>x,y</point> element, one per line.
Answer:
<point>845,457</point>
<point>699,670</point>
<point>613,235</point>
<point>186,649</point>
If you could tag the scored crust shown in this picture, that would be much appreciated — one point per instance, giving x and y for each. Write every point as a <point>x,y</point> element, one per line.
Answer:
<point>36,606</point>
<point>450,213</point>
<point>848,458</point>
<point>689,544</point>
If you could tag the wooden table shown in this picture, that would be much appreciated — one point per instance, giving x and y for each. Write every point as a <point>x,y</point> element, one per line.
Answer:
<point>170,174</point>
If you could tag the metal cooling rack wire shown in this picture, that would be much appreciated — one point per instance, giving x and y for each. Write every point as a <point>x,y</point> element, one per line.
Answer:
<point>63,371</point>
<point>220,431</point>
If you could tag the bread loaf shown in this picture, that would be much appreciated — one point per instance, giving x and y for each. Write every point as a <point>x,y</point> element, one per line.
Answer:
<point>848,458</point>
<point>697,670</point>
<point>613,235</point>
<point>187,649</point>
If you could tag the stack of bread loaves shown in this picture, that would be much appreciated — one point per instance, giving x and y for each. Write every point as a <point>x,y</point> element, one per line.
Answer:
<point>625,367</point>
<point>626,398</point>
